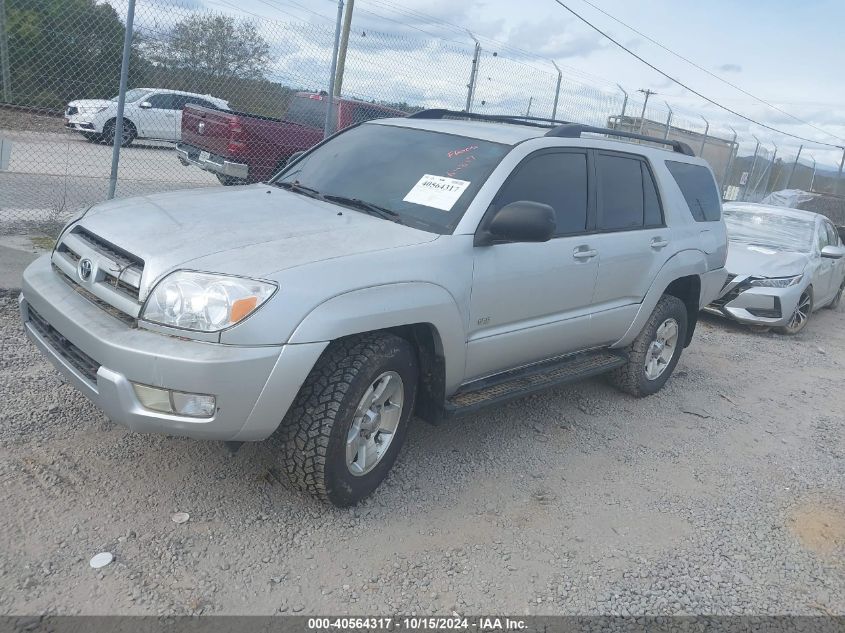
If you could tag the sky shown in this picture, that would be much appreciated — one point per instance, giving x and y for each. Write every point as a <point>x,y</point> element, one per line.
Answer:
<point>785,52</point>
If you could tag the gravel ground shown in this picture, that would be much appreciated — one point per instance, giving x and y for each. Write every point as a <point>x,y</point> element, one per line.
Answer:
<point>723,494</point>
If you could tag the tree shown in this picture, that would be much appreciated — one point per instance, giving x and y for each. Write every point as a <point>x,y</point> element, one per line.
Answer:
<point>214,45</point>
<point>64,49</point>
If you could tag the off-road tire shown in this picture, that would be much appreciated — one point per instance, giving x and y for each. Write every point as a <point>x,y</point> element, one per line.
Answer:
<point>631,377</point>
<point>129,132</point>
<point>313,433</point>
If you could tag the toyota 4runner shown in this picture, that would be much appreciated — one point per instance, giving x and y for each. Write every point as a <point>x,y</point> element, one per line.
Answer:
<point>427,266</point>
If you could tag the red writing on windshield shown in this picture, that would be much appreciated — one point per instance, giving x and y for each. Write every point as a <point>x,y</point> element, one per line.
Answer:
<point>458,152</point>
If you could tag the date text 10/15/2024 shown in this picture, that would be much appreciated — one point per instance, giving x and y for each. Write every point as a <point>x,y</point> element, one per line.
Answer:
<point>416,623</point>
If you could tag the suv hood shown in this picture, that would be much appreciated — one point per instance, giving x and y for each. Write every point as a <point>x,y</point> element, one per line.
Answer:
<point>251,231</point>
<point>90,104</point>
<point>761,261</point>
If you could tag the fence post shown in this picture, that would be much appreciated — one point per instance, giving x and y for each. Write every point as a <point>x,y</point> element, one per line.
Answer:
<point>813,177</point>
<point>794,165</point>
<point>473,73</point>
<point>727,175</point>
<point>771,170</point>
<point>5,63</point>
<point>557,90</point>
<point>344,44</point>
<point>624,107</point>
<point>751,171</point>
<point>328,126</point>
<point>121,98</point>
<point>668,121</point>
<point>704,139</point>
<point>839,186</point>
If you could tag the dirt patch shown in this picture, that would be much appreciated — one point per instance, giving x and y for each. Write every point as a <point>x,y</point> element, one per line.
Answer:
<point>819,527</point>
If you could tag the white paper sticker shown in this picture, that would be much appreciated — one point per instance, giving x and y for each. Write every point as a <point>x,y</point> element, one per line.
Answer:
<point>437,191</point>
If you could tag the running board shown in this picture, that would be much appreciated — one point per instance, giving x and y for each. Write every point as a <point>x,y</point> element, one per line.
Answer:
<point>520,382</point>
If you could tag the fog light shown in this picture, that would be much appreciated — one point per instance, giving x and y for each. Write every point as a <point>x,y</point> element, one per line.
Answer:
<point>193,404</point>
<point>153,398</point>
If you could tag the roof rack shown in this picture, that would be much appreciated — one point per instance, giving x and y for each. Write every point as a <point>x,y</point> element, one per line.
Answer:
<point>565,129</point>
<point>574,130</point>
<point>442,113</point>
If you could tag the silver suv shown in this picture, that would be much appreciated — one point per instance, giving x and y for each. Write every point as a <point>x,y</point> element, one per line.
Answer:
<point>431,265</point>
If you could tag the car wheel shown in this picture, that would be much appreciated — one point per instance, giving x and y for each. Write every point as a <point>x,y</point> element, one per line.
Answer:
<point>838,298</point>
<point>350,418</point>
<point>800,315</point>
<point>655,352</point>
<point>129,132</point>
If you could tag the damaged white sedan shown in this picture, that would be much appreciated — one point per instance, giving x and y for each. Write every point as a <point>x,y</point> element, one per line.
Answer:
<point>783,264</point>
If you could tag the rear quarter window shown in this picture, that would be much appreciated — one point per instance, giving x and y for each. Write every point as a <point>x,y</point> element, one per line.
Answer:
<point>699,189</point>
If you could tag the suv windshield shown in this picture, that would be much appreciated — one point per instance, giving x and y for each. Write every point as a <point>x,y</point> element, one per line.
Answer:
<point>420,178</point>
<point>132,95</point>
<point>782,232</point>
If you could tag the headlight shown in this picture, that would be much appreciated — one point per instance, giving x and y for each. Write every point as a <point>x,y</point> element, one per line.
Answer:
<point>776,282</point>
<point>204,302</point>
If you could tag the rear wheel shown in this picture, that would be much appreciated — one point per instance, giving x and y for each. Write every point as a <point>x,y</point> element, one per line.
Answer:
<point>349,420</point>
<point>655,352</point>
<point>129,132</point>
<point>800,315</point>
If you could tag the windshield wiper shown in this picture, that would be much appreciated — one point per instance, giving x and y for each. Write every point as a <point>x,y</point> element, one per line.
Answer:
<point>298,188</point>
<point>366,207</point>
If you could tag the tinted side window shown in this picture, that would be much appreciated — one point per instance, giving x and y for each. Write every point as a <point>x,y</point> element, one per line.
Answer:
<point>307,111</point>
<point>557,179</point>
<point>832,235</point>
<point>699,189</point>
<point>200,102</point>
<point>163,101</point>
<point>653,214</point>
<point>621,194</point>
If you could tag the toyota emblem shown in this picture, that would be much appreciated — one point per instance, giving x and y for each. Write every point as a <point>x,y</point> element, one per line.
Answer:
<point>84,269</point>
<point>201,127</point>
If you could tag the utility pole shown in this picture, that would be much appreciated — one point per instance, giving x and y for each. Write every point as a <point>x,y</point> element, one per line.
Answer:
<point>344,43</point>
<point>557,90</point>
<point>839,186</point>
<point>473,74</point>
<point>5,74</point>
<point>647,92</point>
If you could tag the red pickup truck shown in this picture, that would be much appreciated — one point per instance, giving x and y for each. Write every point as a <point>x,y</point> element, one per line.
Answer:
<point>243,148</point>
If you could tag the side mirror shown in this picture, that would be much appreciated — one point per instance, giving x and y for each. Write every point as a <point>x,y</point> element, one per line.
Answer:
<point>833,252</point>
<point>520,221</point>
<point>145,104</point>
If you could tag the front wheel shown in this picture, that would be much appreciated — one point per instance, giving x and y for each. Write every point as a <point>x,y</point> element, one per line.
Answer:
<point>655,352</point>
<point>800,315</point>
<point>349,420</point>
<point>129,132</point>
<point>837,299</point>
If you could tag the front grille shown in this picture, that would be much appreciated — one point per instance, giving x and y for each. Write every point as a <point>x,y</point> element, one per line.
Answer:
<point>107,308</point>
<point>732,294</point>
<point>83,363</point>
<point>125,262</point>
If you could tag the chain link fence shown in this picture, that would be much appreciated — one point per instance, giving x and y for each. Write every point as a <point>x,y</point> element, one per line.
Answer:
<point>217,95</point>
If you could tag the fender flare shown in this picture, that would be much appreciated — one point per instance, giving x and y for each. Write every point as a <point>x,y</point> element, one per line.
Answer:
<point>389,306</point>
<point>682,264</point>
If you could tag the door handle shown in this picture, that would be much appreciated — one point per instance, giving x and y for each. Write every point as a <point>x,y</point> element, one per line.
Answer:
<point>586,253</point>
<point>658,242</point>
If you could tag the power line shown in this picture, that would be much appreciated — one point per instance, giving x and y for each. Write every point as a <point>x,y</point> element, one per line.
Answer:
<point>686,87</point>
<point>712,74</point>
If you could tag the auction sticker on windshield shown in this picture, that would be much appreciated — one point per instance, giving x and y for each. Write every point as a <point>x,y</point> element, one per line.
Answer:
<point>436,191</point>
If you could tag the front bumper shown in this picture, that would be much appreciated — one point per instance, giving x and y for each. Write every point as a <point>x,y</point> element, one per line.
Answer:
<point>190,155</point>
<point>758,306</point>
<point>102,356</point>
<point>80,123</point>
